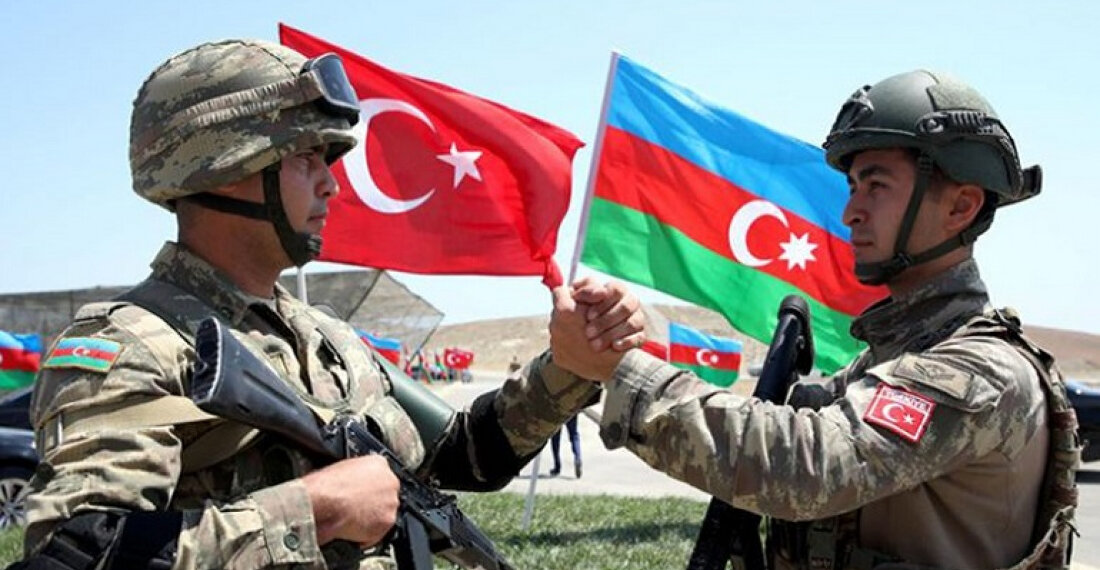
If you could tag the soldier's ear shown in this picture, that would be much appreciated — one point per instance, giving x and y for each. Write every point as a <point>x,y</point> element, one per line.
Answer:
<point>965,203</point>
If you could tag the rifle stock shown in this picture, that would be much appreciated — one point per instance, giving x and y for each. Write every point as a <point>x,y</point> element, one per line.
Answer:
<point>231,382</point>
<point>726,530</point>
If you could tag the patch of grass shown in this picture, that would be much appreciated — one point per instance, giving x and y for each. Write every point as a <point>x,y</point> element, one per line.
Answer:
<point>576,531</point>
<point>11,546</point>
<point>589,531</point>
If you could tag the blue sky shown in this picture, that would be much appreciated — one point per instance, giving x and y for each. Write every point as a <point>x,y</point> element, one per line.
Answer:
<point>70,219</point>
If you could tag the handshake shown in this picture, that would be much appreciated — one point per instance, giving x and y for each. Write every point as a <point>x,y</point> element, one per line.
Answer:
<point>593,325</point>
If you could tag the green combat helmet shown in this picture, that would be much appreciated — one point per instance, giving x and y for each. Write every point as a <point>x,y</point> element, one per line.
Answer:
<point>950,126</point>
<point>220,112</point>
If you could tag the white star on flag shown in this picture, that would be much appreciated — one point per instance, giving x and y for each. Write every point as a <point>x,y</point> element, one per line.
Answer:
<point>909,419</point>
<point>463,163</point>
<point>797,251</point>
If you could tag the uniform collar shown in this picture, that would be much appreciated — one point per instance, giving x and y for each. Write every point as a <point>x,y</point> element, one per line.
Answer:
<point>179,266</point>
<point>936,308</point>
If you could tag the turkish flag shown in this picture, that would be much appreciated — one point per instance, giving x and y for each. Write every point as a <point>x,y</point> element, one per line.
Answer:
<point>457,358</point>
<point>443,181</point>
<point>900,411</point>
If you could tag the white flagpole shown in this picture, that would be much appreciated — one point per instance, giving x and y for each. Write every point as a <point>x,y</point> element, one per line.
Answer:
<point>529,502</point>
<point>590,188</point>
<point>303,295</point>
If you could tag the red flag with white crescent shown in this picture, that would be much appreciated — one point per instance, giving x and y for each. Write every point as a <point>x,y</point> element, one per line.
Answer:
<point>443,181</point>
<point>457,358</point>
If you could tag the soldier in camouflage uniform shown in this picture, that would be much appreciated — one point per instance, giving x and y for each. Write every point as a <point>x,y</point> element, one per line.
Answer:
<point>949,442</point>
<point>236,138</point>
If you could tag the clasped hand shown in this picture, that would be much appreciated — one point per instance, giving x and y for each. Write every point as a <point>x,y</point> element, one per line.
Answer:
<point>593,325</point>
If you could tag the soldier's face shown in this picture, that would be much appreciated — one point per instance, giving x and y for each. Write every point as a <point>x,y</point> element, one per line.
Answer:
<point>307,185</point>
<point>880,184</point>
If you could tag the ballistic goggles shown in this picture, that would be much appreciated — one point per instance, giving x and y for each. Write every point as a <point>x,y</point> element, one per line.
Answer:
<point>337,96</point>
<point>322,82</point>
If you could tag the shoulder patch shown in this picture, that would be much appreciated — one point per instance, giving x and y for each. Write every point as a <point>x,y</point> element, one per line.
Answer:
<point>900,411</point>
<point>938,375</point>
<point>95,354</point>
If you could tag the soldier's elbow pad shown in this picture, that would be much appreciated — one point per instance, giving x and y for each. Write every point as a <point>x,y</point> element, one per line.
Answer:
<point>140,540</point>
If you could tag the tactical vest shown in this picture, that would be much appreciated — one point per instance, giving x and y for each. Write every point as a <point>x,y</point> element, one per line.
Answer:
<point>832,544</point>
<point>225,439</point>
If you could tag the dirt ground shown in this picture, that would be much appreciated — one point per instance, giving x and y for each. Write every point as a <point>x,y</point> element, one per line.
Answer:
<point>494,342</point>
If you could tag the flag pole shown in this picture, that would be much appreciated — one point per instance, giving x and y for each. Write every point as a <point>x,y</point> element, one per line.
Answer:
<point>578,246</point>
<point>303,295</point>
<point>597,149</point>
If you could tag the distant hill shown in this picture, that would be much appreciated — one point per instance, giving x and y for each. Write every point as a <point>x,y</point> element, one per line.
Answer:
<point>495,341</point>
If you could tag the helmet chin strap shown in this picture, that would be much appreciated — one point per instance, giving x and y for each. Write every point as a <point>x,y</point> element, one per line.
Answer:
<point>300,247</point>
<point>881,272</point>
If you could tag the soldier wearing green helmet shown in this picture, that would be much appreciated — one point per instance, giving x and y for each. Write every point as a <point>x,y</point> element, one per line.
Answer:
<point>948,126</point>
<point>236,139</point>
<point>949,442</point>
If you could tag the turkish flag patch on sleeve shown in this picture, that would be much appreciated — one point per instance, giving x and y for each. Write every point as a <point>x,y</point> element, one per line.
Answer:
<point>900,411</point>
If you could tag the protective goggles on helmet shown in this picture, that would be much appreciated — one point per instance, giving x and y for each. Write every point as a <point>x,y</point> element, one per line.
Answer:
<point>322,82</point>
<point>337,96</point>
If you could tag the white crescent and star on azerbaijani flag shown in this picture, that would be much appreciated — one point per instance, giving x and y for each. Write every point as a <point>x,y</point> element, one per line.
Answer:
<point>706,357</point>
<point>797,250</point>
<point>357,167</point>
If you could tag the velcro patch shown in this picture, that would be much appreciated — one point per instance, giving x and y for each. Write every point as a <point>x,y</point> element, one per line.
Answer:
<point>900,411</point>
<point>95,354</point>
<point>938,375</point>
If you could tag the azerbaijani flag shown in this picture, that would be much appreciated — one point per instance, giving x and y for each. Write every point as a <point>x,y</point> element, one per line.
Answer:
<point>692,199</point>
<point>20,358</point>
<point>388,348</point>
<point>656,348</point>
<point>713,358</point>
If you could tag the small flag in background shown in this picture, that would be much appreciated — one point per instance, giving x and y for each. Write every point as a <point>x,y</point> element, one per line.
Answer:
<point>388,348</point>
<point>20,358</point>
<point>457,358</point>
<point>693,199</point>
<point>656,348</point>
<point>713,358</point>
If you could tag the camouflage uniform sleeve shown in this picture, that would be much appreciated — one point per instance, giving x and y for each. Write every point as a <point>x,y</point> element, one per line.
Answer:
<point>118,470</point>
<point>806,464</point>
<point>533,405</point>
<point>504,428</point>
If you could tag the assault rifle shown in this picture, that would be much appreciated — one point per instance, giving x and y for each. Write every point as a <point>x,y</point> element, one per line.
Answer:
<point>232,383</point>
<point>728,531</point>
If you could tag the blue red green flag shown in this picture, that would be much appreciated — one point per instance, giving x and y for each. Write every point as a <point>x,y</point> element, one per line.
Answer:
<point>88,353</point>
<point>692,199</point>
<point>713,358</point>
<point>20,358</point>
<point>388,348</point>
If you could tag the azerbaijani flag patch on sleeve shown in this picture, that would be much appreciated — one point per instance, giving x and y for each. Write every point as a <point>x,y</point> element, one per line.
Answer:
<point>95,354</point>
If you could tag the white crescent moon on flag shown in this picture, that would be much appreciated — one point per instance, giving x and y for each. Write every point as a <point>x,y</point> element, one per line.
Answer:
<point>450,359</point>
<point>355,162</point>
<point>742,222</point>
<point>886,412</point>
<point>706,357</point>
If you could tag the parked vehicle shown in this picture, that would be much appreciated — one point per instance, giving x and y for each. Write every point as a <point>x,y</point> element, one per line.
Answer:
<point>15,409</point>
<point>1086,402</point>
<point>17,462</point>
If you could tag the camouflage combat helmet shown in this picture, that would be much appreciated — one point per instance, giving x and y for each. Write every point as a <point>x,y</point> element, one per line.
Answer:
<point>220,112</point>
<point>950,126</point>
